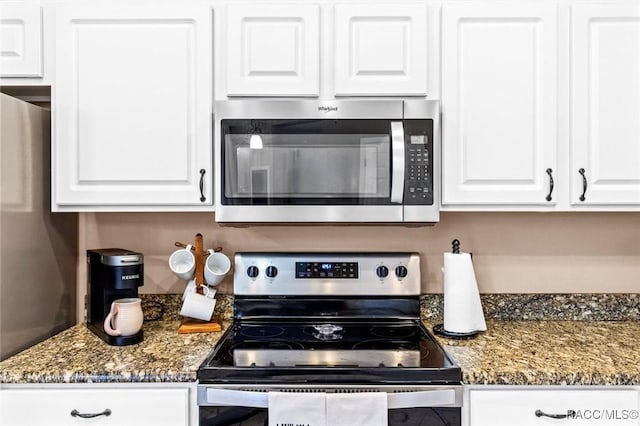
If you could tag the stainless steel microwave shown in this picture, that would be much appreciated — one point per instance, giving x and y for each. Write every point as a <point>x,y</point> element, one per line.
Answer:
<point>353,161</point>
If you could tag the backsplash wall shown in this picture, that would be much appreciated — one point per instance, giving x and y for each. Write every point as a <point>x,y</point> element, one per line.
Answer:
<point>512,252</point>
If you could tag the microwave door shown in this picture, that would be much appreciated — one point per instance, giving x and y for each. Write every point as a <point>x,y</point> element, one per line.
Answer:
<point>312,171</point>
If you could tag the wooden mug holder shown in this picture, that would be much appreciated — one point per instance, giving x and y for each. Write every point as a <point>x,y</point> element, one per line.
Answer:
<point>191,325</point>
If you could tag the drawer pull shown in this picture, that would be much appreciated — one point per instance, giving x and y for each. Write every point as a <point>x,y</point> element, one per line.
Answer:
<point>76,413</point>
<point>570,414</point>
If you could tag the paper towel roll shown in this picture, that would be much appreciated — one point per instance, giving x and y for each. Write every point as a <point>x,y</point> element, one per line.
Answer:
<point>462,306</point>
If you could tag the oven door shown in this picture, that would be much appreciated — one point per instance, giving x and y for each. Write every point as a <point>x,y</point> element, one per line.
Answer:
<point>408,405</point>
<point>288,161</point>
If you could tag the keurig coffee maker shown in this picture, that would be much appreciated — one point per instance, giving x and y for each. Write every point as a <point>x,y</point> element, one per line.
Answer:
<point>112,273</point>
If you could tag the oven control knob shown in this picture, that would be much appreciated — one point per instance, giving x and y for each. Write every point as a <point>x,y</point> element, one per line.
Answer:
<point>253,271</point>
<point>401,271</point>
<point>271,271</point>
<point>382,271</point>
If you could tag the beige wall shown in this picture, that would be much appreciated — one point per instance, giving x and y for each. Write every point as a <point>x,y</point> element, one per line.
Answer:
<point>512,252</point>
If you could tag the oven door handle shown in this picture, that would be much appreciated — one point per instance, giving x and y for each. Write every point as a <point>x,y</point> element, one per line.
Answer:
<point>236,398</point>
<point>433,398</point>
<point>397,162</point>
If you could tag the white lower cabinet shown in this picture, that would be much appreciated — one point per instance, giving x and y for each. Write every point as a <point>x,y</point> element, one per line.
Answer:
<point>112,405</point>
<point>523,406</point>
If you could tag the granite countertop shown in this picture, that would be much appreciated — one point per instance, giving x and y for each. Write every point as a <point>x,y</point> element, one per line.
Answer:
<point>512,351</point>
<point>549,353</point>
<point>76,355</point>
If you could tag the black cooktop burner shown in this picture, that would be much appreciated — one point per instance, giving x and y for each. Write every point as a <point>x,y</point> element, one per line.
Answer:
<point>262,331</point>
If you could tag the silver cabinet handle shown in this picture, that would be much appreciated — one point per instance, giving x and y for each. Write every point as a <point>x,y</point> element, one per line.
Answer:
<point>397,161</point>
<point>76,413</point>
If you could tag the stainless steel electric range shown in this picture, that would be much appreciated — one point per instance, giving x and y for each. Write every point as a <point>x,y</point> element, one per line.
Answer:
<point>328,322</point>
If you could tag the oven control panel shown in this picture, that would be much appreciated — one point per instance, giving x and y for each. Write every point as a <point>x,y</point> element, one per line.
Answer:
<point>337,270</point>
<point>328,274</point>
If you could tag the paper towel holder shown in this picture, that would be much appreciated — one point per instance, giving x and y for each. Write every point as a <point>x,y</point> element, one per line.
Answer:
<point>439,328</point>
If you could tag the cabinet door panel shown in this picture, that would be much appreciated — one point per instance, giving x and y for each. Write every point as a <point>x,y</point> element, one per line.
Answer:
<point>131,105</point>
<point>20,40</point>
<point>380,49</point>
<point>499,101</point>
<point>154,407</point>
<point>606,103</point>
<point>273,50</point>
<point>518,407</point>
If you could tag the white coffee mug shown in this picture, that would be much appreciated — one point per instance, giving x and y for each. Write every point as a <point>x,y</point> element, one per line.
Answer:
<point>216,267</point>
<point>183,263</point>
<point>198,306</point>
<point>191,287</point>
<point>125,317</point>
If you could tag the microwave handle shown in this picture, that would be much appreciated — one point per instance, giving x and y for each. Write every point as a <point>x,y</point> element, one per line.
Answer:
<point>397,161</point>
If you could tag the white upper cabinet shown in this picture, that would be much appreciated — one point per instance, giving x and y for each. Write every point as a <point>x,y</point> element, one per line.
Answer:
<point>132,108</point>
<point>499,103</point>
<point>605,103</point>
<point>272,49</point>
<point>20,40</point>
<point>380,49</point>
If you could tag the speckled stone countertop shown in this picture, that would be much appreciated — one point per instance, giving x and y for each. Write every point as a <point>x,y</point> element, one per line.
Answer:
<point>76,355</point>
<point>573,351</point>
<point>549,353</point>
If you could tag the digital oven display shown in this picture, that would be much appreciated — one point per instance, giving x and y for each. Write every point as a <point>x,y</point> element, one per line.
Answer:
<point>327,270</point>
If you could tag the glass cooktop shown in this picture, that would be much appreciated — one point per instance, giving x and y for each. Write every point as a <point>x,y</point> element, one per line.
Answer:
<point>359,351</point>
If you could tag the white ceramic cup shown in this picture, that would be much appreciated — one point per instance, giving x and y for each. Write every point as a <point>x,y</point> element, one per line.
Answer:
<point>125,317</point>
<point>191,287</point>
<point>198,306</point>
<point>183,263</point>
<point>216,268</point>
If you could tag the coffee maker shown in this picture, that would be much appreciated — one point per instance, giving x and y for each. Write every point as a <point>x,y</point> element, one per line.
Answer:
<point>112,273</point>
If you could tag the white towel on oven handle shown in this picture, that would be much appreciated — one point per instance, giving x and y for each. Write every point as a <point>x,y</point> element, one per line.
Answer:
<point>297,408</point>
<point>357,409</point>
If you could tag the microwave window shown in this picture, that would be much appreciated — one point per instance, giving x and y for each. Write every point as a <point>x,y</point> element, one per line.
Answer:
<point>290,166</point>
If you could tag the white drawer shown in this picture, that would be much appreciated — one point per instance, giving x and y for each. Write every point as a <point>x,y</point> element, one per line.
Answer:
<point>518,407</point>
<point>138,407</point>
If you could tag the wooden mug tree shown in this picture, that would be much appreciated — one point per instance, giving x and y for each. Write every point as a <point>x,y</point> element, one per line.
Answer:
<point>189,325</point>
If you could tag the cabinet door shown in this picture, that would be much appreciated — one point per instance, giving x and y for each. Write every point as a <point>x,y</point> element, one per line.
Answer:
<point>132,107</point>
<point>533,407</point>
<point>20,40</point>
<point>140,407</point>
<point>273,50</point>
<point>605,103</point>
<point>380,49</point>
<point>499,102</point>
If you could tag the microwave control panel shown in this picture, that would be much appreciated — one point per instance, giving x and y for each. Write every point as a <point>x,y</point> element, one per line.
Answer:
<point>418,186</point>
